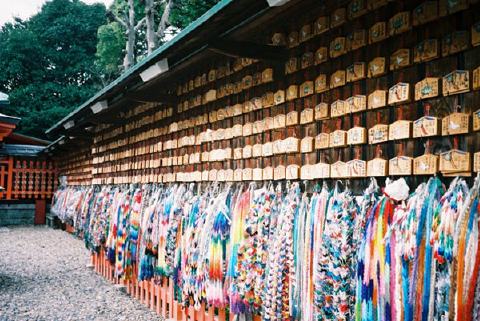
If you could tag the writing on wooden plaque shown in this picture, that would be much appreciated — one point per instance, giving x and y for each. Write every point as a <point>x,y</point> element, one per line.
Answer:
<point>307,60</point>
<point>247,174</point>
<point>426,88</point>
<point>400,129</point>
<point>322,170</point>
<point>425,165</point>
<point>257,150</point>
<point>425,50</point>
<point>338,138</point>
<point>278,147</point>
<point>306,116</point>
<point>306,145</point>
<point>292,172</point>
<point>247,129</point>
<point>357,168</point>
<point>292,39</point>
<point>400,166</point>
<point>399,93</point>
<point>455,124</point>
<point>425,126</point>
<point>257,174</point>
<point>476,120</point>
<point>238,175</point>
<point>400,59</point>
<point>306,172</point>
<point>337,79</point>
<point>476,162</point>
<point>267,75</point>
<point>269,123</point>
<point>305,33</point>
<point>455,161</point>
<point>356,71</point>
<point>377,32</point>
<point>322,141</point>
<point>375,4</point>
<point>339,16</point>
<point>476,78</point>
<point>449,6</point>
<point>338,108</point>
<point>279,172</point>
<point>321,111</point>
<point>291,145</point>
<point>306,89</point>
<point>321,83</point>
<point>267,149</point>
<point>292,92</point>
<point>338,47</point>
<point>377,99</point>
<point>339,169</point>
<point>399,23</point>
<point>291,65</point>
<point>356,103</point>
<point>279,121</point>
<point>425,12</point>
<point>357,39</point>
<point>321,55</point>
<point>321,25</point>
<point>456,82</point>
<point>378,134</point>
<point>292,118</point>
<point>247,151</point>
<point>356,136</point>
<point>279,97</point>
<point>454,43</point>
<point>212,175</point>
<point>356,8</point>
<point>376,67</point>
<point>377,167</point>
<point>267,173</point>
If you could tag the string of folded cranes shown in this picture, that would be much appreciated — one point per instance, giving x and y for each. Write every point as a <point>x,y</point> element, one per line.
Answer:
<point>389,254</point>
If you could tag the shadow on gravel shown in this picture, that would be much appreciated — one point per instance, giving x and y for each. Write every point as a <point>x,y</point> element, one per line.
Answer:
<point>7,282</point>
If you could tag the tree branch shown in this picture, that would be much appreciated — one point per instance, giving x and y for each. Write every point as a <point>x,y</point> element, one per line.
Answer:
<point>140,23</point>
<point>162,25</point>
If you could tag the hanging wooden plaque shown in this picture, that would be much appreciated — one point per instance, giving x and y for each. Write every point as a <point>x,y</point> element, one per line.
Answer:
<point>476,120</point>
<point>247,107</point>
<point>306,145</point>
<point>321,83</point>
<point>476,78</point>
<point>321,111</point>
<point>229,175</point>
<point>292,39</point>
<point>279,39</point>
<point>307,60</point>
<point>247,129</point>
<point>476,162</point>
<point>306,89</point>
<point>399,23</point>
<point>400,59</point>
<point>237,130</point>
<point>425,51</point>
<point>257,174</point>
<point>425,165</point>
<point>247,151</point>
<point>377,32</point>
<point>400,129</point>
<point>376,67</point>
<point>455,124</point>
<point>279,121</point>
<point>322,141</point>
<point>400,166</point>
<point>257,103</point>
<point>356,8</point>
<point>267,75</point>
<point>205,156</point>
<point>238,175</point>
<point>377,99</point>
<point>455,161</point>
<point>237,109</point>
<point>375,4</point>
<point>399,93</point>
<point>267,173</point>
<point>321,55</point>
<point>267,149</point>
<point>356,103</point>
<point>455,42</point>
<point>337,79</point>
<point>338,17</point>
<point>448,6</point>
<point>306,116</point>
<point>291,65</point>
<point>456,82</point>
<point>278,147</point>
<point>305,33</point>
<point>321,170</point>
<point>338,108</point>
<point>205,176</point>
<point>378,134</point>
<point>476,34</point>
<point>292,92</point>
<point>321,25</point>
<point>355,72</point>
<point>339,170</point>
<point>279,97</point>
<point>292,145</point>
<point>425,12</point>
<point>306,172</point>
<point>292,118</point>
<point>426,126</point>
<point>259,125</point>
<point>221,175</point>
<point>292,172</point>
<point>357,168</point>
<point>356,136</point>
<point>247,82</point>
<point>338,138</point>
<point>426,88</point>
<point>279,173</point>
<point>268,99</point>
<point>269,123</point>
<point>357,39</point>
<point>338,47</point>
<point>377,167</point>
<point>247,174</point>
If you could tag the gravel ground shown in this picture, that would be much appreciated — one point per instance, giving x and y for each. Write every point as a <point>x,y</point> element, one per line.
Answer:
<point>43,276</point>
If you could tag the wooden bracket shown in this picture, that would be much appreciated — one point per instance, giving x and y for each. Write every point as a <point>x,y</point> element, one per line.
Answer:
<point>243,49</point>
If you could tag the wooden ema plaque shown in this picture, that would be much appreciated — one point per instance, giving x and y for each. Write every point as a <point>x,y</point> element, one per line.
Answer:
<point>267,149</point>
<point>356,103</point>
<point>247,174</point>
<point>455,124</point>
<point>338,17</point>
<point>338,47</point>
<point>279,97</point>
<point>425,165</point>
<point>356,8</point>
<point>305,33</point>
<point>455,162</point>
<point>279,121</point>
<point>456,82</point>
<point>376,67</point>
<point>476,78</point>
<point>321,83</point>
<point>291,145</point>
<point>278,147</point>
<point>307,116</point>
<point>257,174</point>
<point>476,34</point>
<point>357,168</point>
<point>425,12</point>
<point>377,167</point>
<point>306,89</point>
<point>247,151</point>
<point>292,92</point>
<point>268,99</point>
<point>400,129</point>
<point>357,39</point>
<point>267,75</point>
<point>321,170</point>
<point>292,39</point>
<point>322,141</point>
<point>292,118</point>
<point>307,172</point>
<point>377,32</point>
<point>321,55</point>
<point>426,88</point>
<point>279,172</point>
<point>425,51</point>
<point>355,72</point>
<point>321,111</point>
<point>306,144</point>
<point>476,120</point>
<point>205,176</point>
<point>292,172</point>
<point>426,126</point>
<point>377,99</point>
<point>400,59</point>
<point>338,138</point>
<point>476,162</point>
<point>356,136</point>
<point>400,166</point>
<point>269,123</point>
<point>399,93</point>
<point>399,23</point>
<point>229,176</point>
<point>455,42</point>
<point>267,173</point>
<point>448,6</point>
<point>378,134</point>
<point>338,108</point>
<point>339,170</point>
<point>247,129</point>
<point>279,39</point>
<point>321,25</point>
<point>337,79</point>
<point>375,4</point>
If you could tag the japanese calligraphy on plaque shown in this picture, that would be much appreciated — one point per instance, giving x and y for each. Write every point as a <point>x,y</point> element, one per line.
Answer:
<point>305,33</point>
<point>378,134</point>
<point>455,162</point>
<point>279,172</point>
<point>425,165</point>
<point>400,166</point>
<point>426,88</point>
<point>399,93</point>
<point>257,150</point>
<point>321,83</point>
<point>267,75</point>
<point>322,141</point>
<point>377,99</point>
<point>291,65</point>
<point>476,78</point>
<point>247,174</point>
<point>400,129</point>
<point>376,67</point>
<point>321,25</point>
<point>307,60</point>
<point>337,79</point>
<point>357,39</point>
<point>356,71</point>
<point>306,172</point>
<point>338,108</point>
<point>292,172</point>
<point>257,174</point>
<point>399,23</point>
<point>339,170</point>
<point>425,12</point>
<point>455,124</point>
<point>339,17</point>
<point>322,170</point>
<point>279,97</point>
<point>292,145</point>
<point>338,138</point>
<point>377,32</point>
<point>356,136</point>
<point>292,92</point>
<point>292,39</point>
<point>377,167</point>
<point>476,120</point>
<point>321,55</point>
<point>357,168</point>
<point>292,118</point>
<point>357,103</point>
<point>476,162</point>
<point>306,89</point>
<point>268,173</point>
<point>454,43</point>
<point>321,111</point>
<point>338,47</point>
<point>425,50</point>
<point>279,121</point>
<point>306,144</point>
<point>456,82</point>
<point>425,126</point>
<point>400,59</point>
<point>267,149</point>
<point>306,116</point>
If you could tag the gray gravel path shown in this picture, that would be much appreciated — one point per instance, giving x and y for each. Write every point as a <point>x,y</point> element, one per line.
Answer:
<point>43,276</point>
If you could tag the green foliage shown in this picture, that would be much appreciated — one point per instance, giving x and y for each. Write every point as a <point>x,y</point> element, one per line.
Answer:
<point>186,11</point>
<point>110,46</point>
<point>47,63</point>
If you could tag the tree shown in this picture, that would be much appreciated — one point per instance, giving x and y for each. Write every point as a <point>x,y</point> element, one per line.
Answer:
<point>47,63</point>
<point>110,50</point>
<point>185,12</point>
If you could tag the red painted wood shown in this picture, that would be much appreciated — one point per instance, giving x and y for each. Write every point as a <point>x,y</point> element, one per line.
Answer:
<point>40,212</point>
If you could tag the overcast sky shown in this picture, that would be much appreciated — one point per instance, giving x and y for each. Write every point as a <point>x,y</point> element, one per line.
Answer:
<point>27,8</point>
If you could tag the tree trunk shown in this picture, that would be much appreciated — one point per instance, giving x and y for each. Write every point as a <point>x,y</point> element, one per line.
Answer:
<point>130,45</point>
<point>163,24</point>
<point>152,40</point>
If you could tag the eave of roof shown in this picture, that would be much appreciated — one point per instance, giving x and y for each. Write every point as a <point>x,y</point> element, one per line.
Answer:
<point>20,150</point>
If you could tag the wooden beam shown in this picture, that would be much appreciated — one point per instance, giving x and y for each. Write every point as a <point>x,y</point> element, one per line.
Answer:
<point>151,97</point>
<point>244,49</point>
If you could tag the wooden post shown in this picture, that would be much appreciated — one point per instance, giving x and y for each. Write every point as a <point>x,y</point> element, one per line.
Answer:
<point>40,212</point>
<point>9,178</point>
